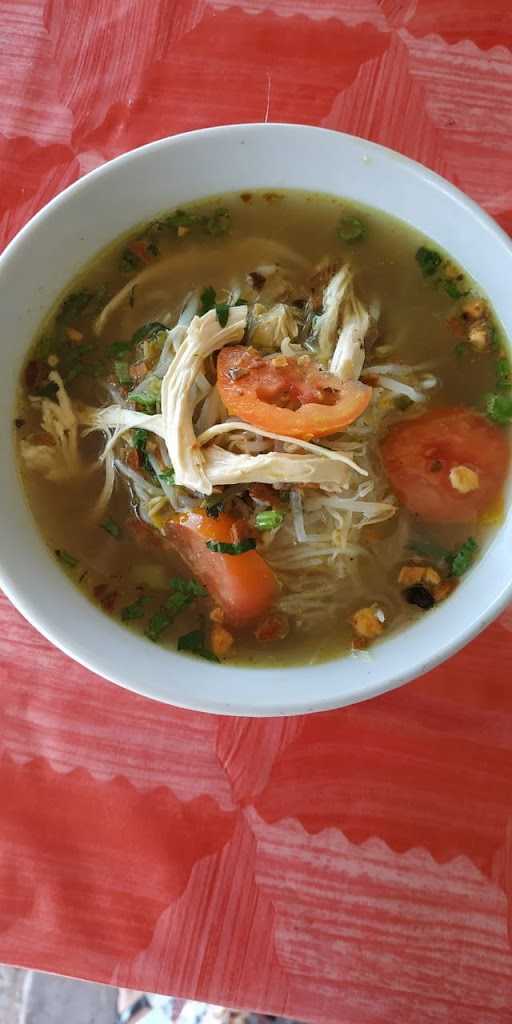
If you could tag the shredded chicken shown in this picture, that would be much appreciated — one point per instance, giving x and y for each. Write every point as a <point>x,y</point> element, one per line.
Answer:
<point>327,323</point>
<point>204,336</point>
<point>342,327</point>
<point>269,328</point>
<point>349,355</point>
<point>115,417</point>
<point>60,459</point>
<point>320,465</point>
<point>225,467</point>
<point>212,411</point>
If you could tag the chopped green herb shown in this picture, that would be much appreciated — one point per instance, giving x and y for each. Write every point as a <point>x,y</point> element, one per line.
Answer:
<point>74,305</point>
<point>206,300</point>
<point>180,219</point>
<point>167,476</point>
<point>190,587</point>
<point>402,402</point>
<point>152,248</point>
<point>218,223</point>
<point>222,548</point>
<point>129,260</point>
<point>193,643</point>
<point>461,561</point>
<point>429,260</point>
<point>269,519</point>
<point>66,558</point>
<point>457,561</point>
<point>75,359</point>
<point>177,602</point>
<point>184,592</point>
<point>222,310</point>
<point>149,394</point>
<point>139,438</point>
<point>149,330</point>
<point>136,610</point>
<point>350,229</point>
<point>122,372</point>
<point>120,348</point>
<point>452,289</point>
<point>499,409</point>
<point>157,624</point>
<point>112,528</point>
<point>503,374</point>
<point>495,342</point>
<point>461,349</point>
<point>147,403</point>
<point>139,441</point>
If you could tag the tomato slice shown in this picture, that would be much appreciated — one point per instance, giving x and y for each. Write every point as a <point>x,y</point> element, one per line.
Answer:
<point>419,454</point>
<point>243,585</point>
<point>286,397</point>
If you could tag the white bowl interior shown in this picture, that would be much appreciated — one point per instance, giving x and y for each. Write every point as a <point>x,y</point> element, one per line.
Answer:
<point>50,250</point>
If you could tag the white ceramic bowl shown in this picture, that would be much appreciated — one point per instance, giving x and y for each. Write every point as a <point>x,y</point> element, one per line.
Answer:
<point>40,263</point>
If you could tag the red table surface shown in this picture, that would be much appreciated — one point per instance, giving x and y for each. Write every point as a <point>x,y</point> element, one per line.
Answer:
<point>349,867</point>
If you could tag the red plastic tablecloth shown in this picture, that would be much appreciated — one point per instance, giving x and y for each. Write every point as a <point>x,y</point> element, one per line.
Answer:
<point>351,867</point>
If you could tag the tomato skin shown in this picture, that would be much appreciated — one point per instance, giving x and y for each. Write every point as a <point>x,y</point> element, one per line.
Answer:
<point>418,455</point>
<point>313,403</point>
<point>243,585</point>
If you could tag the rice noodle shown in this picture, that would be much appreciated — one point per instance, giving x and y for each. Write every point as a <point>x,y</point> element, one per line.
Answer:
<point>322,569</point>
<point>109,463</point>
<point>232,425</point>
<point>401,369</point>
<point>143,488</point>
<point>399,388</point>
<point>298,516</point>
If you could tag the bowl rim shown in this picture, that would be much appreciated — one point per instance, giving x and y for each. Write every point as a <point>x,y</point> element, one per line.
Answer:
<point>50,630</point>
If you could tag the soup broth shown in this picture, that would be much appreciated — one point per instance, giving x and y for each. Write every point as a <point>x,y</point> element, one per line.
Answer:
<point>270,428</point>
